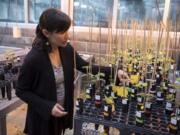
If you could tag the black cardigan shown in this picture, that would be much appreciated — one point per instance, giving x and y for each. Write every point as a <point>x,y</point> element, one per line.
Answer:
<point>36,86</point>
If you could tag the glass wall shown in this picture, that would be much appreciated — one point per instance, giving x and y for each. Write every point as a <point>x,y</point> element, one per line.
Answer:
<point>140,10</point>
<point>12,11</point>
<point>174,14</point>
<point>93,12</point>
<point>36,7</point>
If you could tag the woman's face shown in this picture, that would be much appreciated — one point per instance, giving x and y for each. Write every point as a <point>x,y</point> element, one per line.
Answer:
<point>58,39</point>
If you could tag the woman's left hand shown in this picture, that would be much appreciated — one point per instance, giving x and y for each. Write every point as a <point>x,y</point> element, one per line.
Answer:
<point>123,76</point>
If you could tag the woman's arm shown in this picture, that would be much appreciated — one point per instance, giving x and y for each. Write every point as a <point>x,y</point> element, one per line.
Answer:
<point>81,63</point>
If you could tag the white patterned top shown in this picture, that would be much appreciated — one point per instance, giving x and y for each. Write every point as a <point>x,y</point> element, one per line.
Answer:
<point>59,76</point>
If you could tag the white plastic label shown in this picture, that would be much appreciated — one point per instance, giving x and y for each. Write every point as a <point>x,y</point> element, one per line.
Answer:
<point>171,90</point>
<point>124,101</point>
<point>138,114</point>
<point>147,105</point>
<point>87,91</point>
<point>139,99</point>
<point>77,103</point>
<point>168,105</point>
<point>97,97</point>
<point>132,90</point>
<point>112,94</point>
<point>18,59</point>
<point>173,121</point>
<point>172,67</point>
<point>177,111</point>
<point>157,75</point>
<point>159,94</point>
<point>105,108</point>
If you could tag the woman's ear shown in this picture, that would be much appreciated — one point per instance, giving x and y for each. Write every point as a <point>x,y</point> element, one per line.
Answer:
<point>46,33</point>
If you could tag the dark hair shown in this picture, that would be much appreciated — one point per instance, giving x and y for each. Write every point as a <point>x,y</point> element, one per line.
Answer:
<point>53,20</point>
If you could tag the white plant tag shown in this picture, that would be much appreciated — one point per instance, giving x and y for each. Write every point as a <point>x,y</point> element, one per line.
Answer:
<point>124,101</point>
<point>132,90</point>
<point>171,90</point>
<point>77,103</point>
<point>147,105</point>
<point>87,91</point>
<point>172,67</point>
<point>112,94</point>
<point>139,99</point>
<point>159,94</point>
<point>138,114</point>
<point>105,108</point>
<point>174,121</point>
<point>97,97</point>
<point>168,105</point>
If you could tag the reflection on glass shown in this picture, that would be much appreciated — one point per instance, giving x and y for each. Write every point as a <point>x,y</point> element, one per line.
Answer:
<point>36,7</point>
<point>140,10</point>
<point>174,14</point>
<point>12,11</point>
<point>93,12</point>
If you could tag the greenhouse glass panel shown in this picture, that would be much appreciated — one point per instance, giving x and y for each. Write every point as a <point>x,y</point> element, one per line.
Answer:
<point>174,14</point>
<point>12,11</point>
<point>36,7</point>
<point>93,12</point>
<point>140,10</point>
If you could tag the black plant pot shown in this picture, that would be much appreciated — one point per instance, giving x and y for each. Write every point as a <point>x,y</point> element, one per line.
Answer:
<point>14,84</point>
<point>8,90</point>
<point>7,67</point>
<point>88,93</point>
<point>125,105</point>
<point>98,101</point>
<point>169,108</point>
<point>148,108</point>
<point>79,106</point>
<point>173,126</point>
<point>14,70</point>
<point>139,118</point>
<point>153,89</point>
<point>93,89</point>
<point>159,97</point>
<point>3,91</point>
<point>140,103</point>
<point>107,91</point>
<point>133,94</point>
<point>158,78</point>
<point>107,112</point>
<point>2,76</point>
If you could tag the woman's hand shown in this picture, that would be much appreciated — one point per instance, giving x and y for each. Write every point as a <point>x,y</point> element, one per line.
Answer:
<point>58,111</point>
<point>123,76</point>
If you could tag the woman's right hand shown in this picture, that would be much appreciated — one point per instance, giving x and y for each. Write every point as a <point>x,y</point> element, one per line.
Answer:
<point>58,111</point>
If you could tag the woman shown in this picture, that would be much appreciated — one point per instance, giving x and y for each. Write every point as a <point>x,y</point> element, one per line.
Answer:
<point>46,77</point>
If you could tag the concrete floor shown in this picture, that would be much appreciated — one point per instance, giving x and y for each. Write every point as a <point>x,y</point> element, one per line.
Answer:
<point>16,121</point>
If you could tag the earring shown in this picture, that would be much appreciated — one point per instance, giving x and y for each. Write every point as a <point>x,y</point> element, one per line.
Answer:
<point>48,47</point>
<point>47,43</point>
